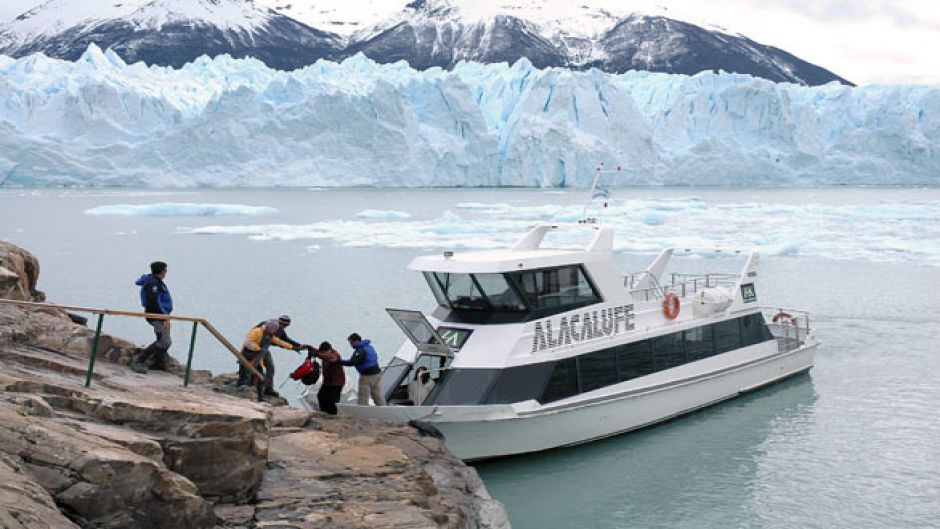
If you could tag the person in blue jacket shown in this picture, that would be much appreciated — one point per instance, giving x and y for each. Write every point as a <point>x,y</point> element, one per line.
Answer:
<point>366,361</point>
<point>155,298</point>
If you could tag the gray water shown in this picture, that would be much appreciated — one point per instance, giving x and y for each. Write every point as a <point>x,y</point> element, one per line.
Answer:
<point>852,444</point>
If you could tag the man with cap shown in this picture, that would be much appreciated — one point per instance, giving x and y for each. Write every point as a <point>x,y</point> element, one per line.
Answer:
<point>257,344</point>
<point>283,321</point>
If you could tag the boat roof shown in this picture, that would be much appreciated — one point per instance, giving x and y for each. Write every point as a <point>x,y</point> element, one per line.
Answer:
<point>527,254</point>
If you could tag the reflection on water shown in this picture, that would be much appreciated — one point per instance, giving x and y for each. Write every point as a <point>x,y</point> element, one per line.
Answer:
<point>671,475</point>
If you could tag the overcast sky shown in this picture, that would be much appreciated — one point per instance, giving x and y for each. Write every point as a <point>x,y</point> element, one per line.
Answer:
<point>865,41</point>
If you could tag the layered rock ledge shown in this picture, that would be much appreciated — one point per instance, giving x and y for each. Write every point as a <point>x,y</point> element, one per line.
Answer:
<point>141,451</point>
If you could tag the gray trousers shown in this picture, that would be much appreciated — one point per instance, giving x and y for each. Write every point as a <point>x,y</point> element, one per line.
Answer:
<point>158,349</point>
<point>268,369</point>
<point>163,337</point>
<point>370,385</point>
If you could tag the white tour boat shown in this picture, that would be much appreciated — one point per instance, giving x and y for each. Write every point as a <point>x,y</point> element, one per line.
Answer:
<point>535,348</point>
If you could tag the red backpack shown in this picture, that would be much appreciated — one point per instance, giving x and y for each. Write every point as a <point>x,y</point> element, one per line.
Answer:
<point>308,372</point>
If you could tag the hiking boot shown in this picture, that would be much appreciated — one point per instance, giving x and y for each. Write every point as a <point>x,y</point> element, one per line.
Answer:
<point>271,393</point>
<point>138,368</point>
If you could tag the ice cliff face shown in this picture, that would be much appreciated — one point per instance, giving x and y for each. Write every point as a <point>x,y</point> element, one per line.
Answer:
<point>223,121</point>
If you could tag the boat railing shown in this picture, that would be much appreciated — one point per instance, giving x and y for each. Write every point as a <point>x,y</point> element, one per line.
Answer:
<point>790,327</point>
<point>680,284</point>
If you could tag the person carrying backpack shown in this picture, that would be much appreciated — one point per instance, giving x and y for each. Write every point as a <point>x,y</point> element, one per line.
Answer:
<point>333,378</point>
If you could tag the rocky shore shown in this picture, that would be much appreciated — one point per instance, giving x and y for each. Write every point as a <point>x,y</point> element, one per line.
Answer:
<point>142,451</point>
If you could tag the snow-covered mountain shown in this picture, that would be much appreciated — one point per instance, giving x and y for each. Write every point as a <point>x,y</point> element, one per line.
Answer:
<point>430,33</point>
<point>660,44</point>
<point>424,33</point>
<point>167,32</point>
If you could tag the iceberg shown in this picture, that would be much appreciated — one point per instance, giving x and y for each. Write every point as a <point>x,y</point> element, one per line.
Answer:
<point>180,209</point>
<point>235,122</point>
<point>381,214</point>
<point>892,232</point>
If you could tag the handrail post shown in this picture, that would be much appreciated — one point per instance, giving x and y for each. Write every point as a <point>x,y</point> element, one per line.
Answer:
<point>94,351</point>
<point>189,359</point>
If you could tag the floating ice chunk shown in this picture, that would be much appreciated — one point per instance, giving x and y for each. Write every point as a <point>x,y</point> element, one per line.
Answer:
<point>379,214</point>
<point>482,206</point>
<point>893,232</point>
<point>654,219</point>
<point>181,209</point>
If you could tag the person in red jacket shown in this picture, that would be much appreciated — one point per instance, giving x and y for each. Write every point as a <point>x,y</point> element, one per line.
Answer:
<point>333,378</point>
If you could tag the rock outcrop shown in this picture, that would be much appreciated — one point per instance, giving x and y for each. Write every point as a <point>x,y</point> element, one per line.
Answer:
<point>141,451</point>
<point>19,272</point>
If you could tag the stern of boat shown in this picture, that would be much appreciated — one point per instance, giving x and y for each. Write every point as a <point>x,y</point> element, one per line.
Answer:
<point>791,328</point>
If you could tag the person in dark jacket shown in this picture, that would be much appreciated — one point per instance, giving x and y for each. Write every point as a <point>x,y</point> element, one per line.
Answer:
<point>333,378</point>
<point>155,298</point>
<point>282,321</point>
<point>366,361</point>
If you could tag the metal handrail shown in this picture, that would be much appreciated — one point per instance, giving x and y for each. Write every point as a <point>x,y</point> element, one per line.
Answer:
<point>797,314</point>
<point>681,284</point>
<point>102,312</point>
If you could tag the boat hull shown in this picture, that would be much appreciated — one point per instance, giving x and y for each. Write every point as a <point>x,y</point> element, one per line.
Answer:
<point>483,432</point>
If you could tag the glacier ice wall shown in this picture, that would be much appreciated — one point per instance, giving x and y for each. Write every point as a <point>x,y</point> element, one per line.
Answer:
<point>228,122</point>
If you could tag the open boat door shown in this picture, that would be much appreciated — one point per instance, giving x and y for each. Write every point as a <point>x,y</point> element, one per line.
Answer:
<point>419,332</point>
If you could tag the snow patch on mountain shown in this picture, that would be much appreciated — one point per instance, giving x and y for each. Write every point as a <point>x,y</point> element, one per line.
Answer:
<point>57,16</point>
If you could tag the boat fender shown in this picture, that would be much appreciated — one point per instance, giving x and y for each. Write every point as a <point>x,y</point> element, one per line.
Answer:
<point>785,316</point>
<point>427,429</point>
<point>671,306</point>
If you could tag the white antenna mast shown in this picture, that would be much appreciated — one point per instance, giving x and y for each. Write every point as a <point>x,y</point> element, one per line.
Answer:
<point>597,191</point>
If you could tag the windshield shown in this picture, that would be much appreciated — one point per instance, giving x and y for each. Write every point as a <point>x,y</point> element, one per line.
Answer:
<point>480,292</point>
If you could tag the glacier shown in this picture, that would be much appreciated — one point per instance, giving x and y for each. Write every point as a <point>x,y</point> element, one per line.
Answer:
<point>236,122</point>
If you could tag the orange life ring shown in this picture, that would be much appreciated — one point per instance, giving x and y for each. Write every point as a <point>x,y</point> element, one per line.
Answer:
<point>785,316</point>
<point>671,306</point>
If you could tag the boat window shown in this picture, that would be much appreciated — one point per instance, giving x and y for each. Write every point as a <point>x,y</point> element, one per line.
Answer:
<point>500,295</point>
<point>727,336</point>
<point>598,369</point>
<point>548,288</point>
<point>667,351</point>
<point>474,292</point>
<point>518,384</point>
<point>564,381</point>
<point>754,329</point>
<point>634,360</point>
<point>462,387</point>
<point>698,343</point>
